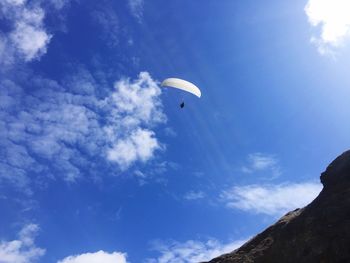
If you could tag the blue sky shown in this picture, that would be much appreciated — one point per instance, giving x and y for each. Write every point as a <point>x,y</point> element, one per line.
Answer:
<point>98,162</point>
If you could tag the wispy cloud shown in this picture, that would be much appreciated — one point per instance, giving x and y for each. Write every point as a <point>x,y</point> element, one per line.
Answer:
<point>194,195</point>
<point>168,131</point>
<point>53,131</point>
<point>108,21</point>
<point>22,250</point>
<point>274,200</point>
<point>99,256</point>
<point>333,20</point>
<point>192,251</point>
<point>136,8</point>
<point>59,4</point>
<point>262,162</point>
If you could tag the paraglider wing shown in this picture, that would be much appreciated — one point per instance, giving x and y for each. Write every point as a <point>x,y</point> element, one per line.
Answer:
<point>182,84</point>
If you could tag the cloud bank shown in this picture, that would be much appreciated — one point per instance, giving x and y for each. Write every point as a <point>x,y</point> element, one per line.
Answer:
<point>273,200</point>
<point>68,130</point>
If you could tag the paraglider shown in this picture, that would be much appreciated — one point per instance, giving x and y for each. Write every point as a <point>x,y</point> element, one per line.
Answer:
<point>183,85</point>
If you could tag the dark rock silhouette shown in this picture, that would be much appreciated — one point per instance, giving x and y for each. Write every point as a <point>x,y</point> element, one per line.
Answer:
<point>319,232</point>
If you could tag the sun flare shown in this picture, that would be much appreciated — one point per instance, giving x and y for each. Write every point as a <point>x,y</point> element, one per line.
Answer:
<point>332,16</point>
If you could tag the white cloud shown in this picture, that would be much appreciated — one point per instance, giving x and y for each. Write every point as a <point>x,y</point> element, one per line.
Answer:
<point>192,251</point>
<point>139,97</point>
<point>135,104</point>
<point>136,7</point>
<point>262,162</point>
<point>274,200</point>
<point>194,195</point>
<point>56,132</point>
<point>97,257</point>
<point>140,145</point>
<point>22,250</point>
<point>332,17</point>
<point>28,39</point>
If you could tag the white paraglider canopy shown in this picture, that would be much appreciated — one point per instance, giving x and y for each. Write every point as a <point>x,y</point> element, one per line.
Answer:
<point>183,85</point>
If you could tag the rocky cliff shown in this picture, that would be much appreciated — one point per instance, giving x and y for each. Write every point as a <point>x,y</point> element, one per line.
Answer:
<point>319,232</point>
